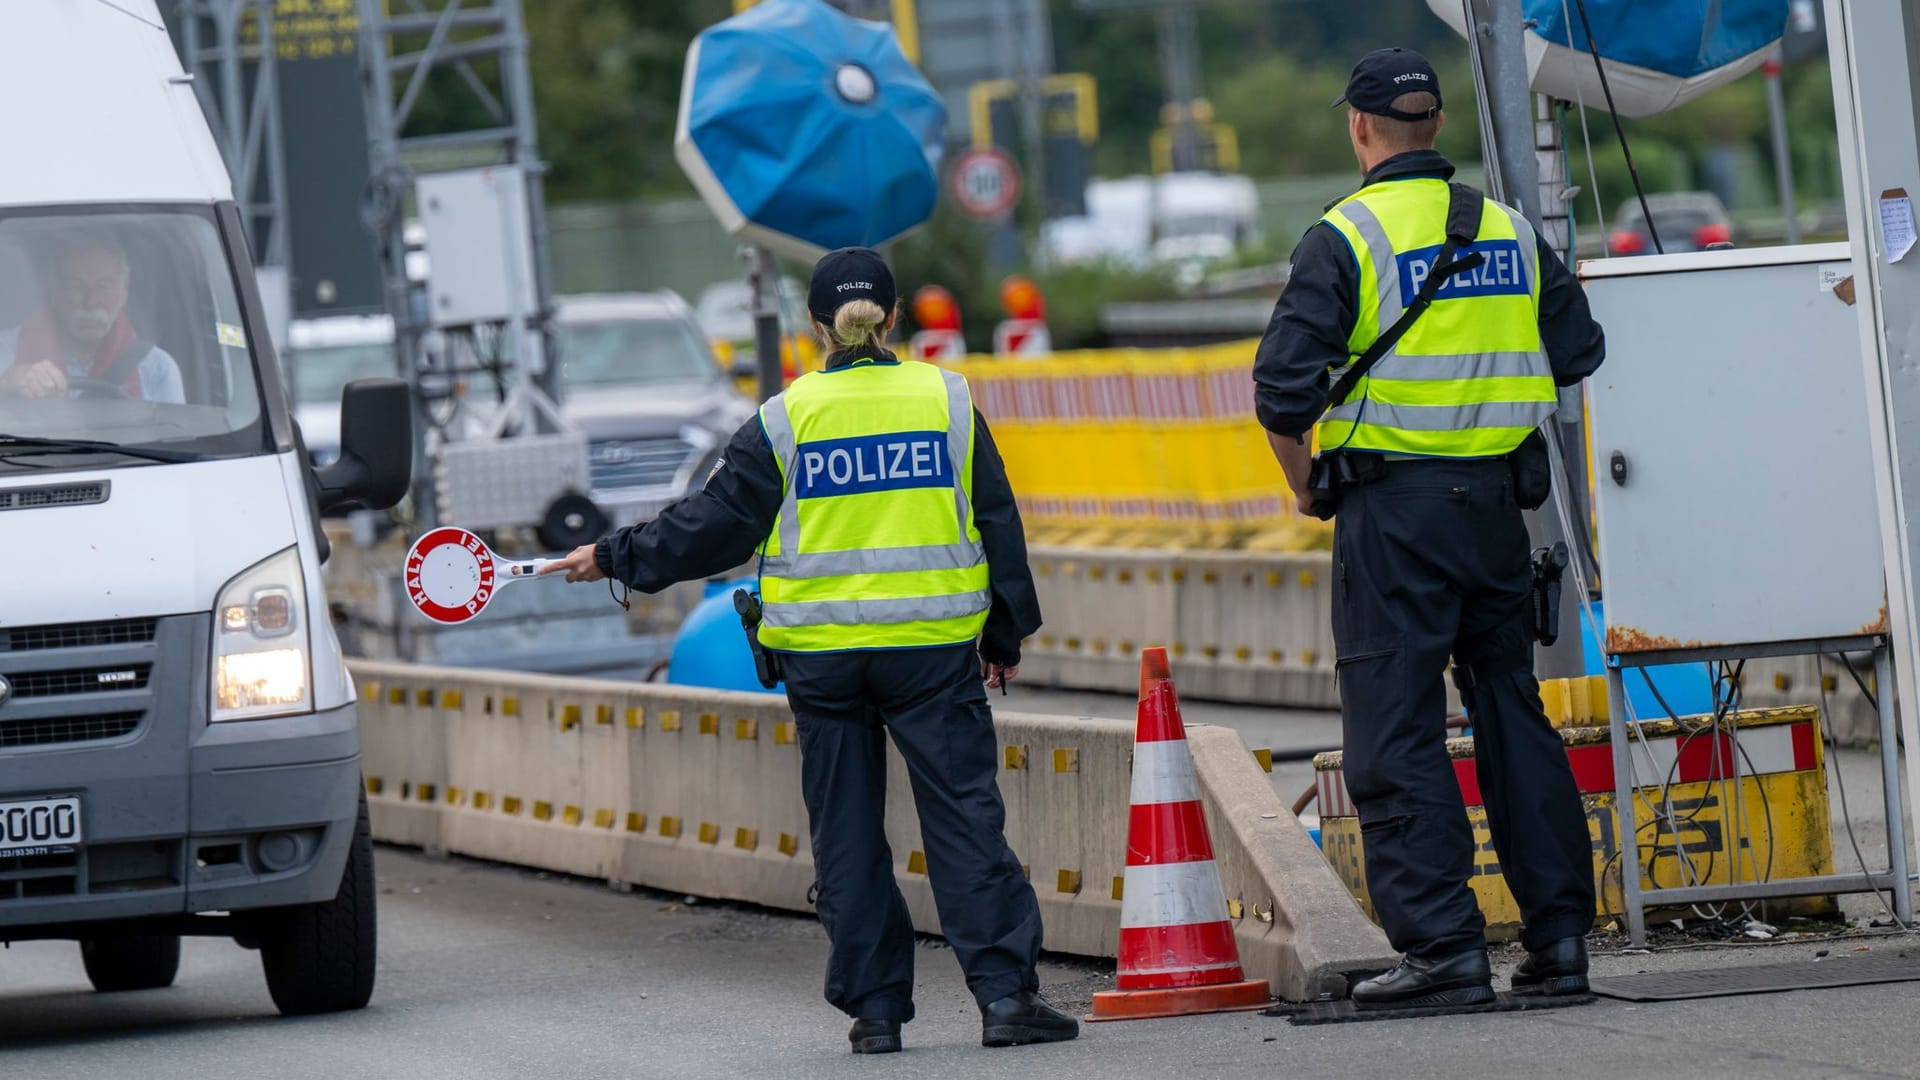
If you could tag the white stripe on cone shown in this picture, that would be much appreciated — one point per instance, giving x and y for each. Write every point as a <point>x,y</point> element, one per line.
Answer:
<point>1172,894</point>
<point>1225,965</point>
<point>1163,773</point>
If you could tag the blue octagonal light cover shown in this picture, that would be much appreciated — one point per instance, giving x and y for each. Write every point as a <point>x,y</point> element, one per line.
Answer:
<point>805,129</point>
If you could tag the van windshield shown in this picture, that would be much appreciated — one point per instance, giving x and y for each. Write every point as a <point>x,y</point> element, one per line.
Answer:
<point>124,327</point>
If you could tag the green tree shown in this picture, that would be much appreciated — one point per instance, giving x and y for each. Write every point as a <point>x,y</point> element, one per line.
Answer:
<point>1278,106</point>
<point>606,75</point>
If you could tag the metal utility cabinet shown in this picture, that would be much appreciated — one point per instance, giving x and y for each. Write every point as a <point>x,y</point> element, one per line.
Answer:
<point>1736,515</point>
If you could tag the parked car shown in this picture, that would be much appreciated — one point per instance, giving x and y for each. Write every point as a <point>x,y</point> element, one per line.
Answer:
<point>638,376</point>
<point>1685,220</point>
<point>725,312</point>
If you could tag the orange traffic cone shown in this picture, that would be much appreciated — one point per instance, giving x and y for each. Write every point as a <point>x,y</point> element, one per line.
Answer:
<point>1176,954</point>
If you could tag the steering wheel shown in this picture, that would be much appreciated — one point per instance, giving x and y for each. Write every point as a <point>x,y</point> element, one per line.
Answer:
<point>89,387</point>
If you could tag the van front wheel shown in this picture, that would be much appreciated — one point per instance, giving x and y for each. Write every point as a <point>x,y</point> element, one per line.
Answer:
<point>131,961</point>
<point>319,957</point>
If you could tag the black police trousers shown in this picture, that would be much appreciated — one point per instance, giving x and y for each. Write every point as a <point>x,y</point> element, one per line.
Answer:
<point>1431,561</point>
<point>933,703</point>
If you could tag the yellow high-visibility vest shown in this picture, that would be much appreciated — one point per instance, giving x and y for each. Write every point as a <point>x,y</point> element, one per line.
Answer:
<point>1470,378</point>
<point>875,546</point>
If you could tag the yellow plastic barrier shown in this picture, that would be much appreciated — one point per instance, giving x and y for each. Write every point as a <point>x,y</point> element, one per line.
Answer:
<point>1129,446</point>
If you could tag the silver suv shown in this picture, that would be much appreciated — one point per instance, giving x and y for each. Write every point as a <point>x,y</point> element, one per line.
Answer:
<point>638,377</point>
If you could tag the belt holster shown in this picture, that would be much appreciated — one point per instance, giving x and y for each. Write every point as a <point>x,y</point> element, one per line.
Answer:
<point>1543,595</point>
<point>766,662</point>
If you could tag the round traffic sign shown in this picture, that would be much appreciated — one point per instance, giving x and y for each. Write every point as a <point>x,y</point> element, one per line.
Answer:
<point>986,182</point>
<point>451,574</point>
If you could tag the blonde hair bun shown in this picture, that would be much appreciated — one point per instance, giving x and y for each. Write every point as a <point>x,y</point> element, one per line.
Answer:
<point>858,323</point>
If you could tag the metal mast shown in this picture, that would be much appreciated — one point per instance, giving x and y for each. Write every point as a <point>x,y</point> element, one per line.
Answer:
<point>228,48</point>
<point>480,47</point>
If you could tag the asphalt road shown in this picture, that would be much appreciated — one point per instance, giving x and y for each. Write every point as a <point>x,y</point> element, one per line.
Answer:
<point>491,972</point>
<point>488,971</point>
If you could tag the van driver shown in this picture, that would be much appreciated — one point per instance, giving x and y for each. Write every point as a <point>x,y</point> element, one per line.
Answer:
<point>82,338</point>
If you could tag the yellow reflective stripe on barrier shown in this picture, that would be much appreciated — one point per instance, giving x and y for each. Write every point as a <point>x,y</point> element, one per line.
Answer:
<point>1159,441</point>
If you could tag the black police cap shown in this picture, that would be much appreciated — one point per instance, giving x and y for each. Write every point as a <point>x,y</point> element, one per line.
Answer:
<point>1383,75</point>
<point>849,274</point>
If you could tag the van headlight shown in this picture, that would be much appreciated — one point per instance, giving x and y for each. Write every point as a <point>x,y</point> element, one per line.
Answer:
<point>261,655</point>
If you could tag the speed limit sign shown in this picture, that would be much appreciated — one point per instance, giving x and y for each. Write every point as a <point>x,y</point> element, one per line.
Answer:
<point>986,182</point>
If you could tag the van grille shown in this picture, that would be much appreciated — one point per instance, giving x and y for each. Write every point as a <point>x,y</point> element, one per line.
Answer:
<point>38,498</point>
<point>69,729</point>
<point>81,681</point>
<point>77,635</point>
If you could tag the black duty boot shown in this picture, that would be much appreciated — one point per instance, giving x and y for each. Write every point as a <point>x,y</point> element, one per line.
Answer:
<point>1463,978</point>
<point>1022,1018</point>
<point>1560,968</point>
<point>875,1036</point>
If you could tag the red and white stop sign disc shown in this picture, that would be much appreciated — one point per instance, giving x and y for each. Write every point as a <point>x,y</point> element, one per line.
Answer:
<point>450,575</point>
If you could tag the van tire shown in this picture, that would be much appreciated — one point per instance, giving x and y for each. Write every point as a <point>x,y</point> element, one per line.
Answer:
<point>319,958</point>
<point>131,961</point>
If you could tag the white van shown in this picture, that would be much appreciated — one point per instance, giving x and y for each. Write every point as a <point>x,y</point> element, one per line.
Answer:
<point>178,746</point>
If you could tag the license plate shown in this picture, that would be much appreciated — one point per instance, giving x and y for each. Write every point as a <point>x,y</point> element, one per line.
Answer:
<point>37,824</point>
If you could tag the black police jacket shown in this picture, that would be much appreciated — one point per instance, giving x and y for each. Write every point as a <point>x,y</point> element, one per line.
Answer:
<point>721,526</point>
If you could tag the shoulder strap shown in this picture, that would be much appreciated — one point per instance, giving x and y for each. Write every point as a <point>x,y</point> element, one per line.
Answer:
<point>1464,207</point>
<point>123,366</point>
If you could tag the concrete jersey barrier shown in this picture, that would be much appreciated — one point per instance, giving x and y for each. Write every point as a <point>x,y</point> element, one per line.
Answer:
<point>698,791</point>
<point>1257,627</point>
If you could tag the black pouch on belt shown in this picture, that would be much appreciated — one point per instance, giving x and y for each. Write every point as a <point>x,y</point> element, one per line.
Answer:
<point>1532,471</point>
<point>1543,596</point>
<point>1323,487</point>
<point>1336,471</point>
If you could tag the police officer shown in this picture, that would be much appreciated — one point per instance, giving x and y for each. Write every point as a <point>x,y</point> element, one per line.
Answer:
<point>1430,548</point>
<point>894,577</point>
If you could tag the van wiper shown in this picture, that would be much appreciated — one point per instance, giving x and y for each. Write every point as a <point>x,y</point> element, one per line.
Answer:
<point>29,445</point>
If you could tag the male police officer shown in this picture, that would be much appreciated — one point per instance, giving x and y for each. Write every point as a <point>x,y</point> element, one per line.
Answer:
<point>1430,548</point>
<point>889,543</point>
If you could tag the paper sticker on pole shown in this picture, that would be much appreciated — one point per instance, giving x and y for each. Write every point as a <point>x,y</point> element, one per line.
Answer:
<point>452,575</point>
<point>985,183</point>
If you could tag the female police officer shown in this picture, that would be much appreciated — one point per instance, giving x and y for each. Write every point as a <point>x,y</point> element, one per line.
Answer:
<point>889,546</point>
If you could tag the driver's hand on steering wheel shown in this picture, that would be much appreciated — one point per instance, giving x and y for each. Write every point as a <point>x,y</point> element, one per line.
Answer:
<point>43,379</point>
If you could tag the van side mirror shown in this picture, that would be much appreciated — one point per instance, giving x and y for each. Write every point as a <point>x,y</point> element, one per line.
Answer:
<point>375,467</point>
